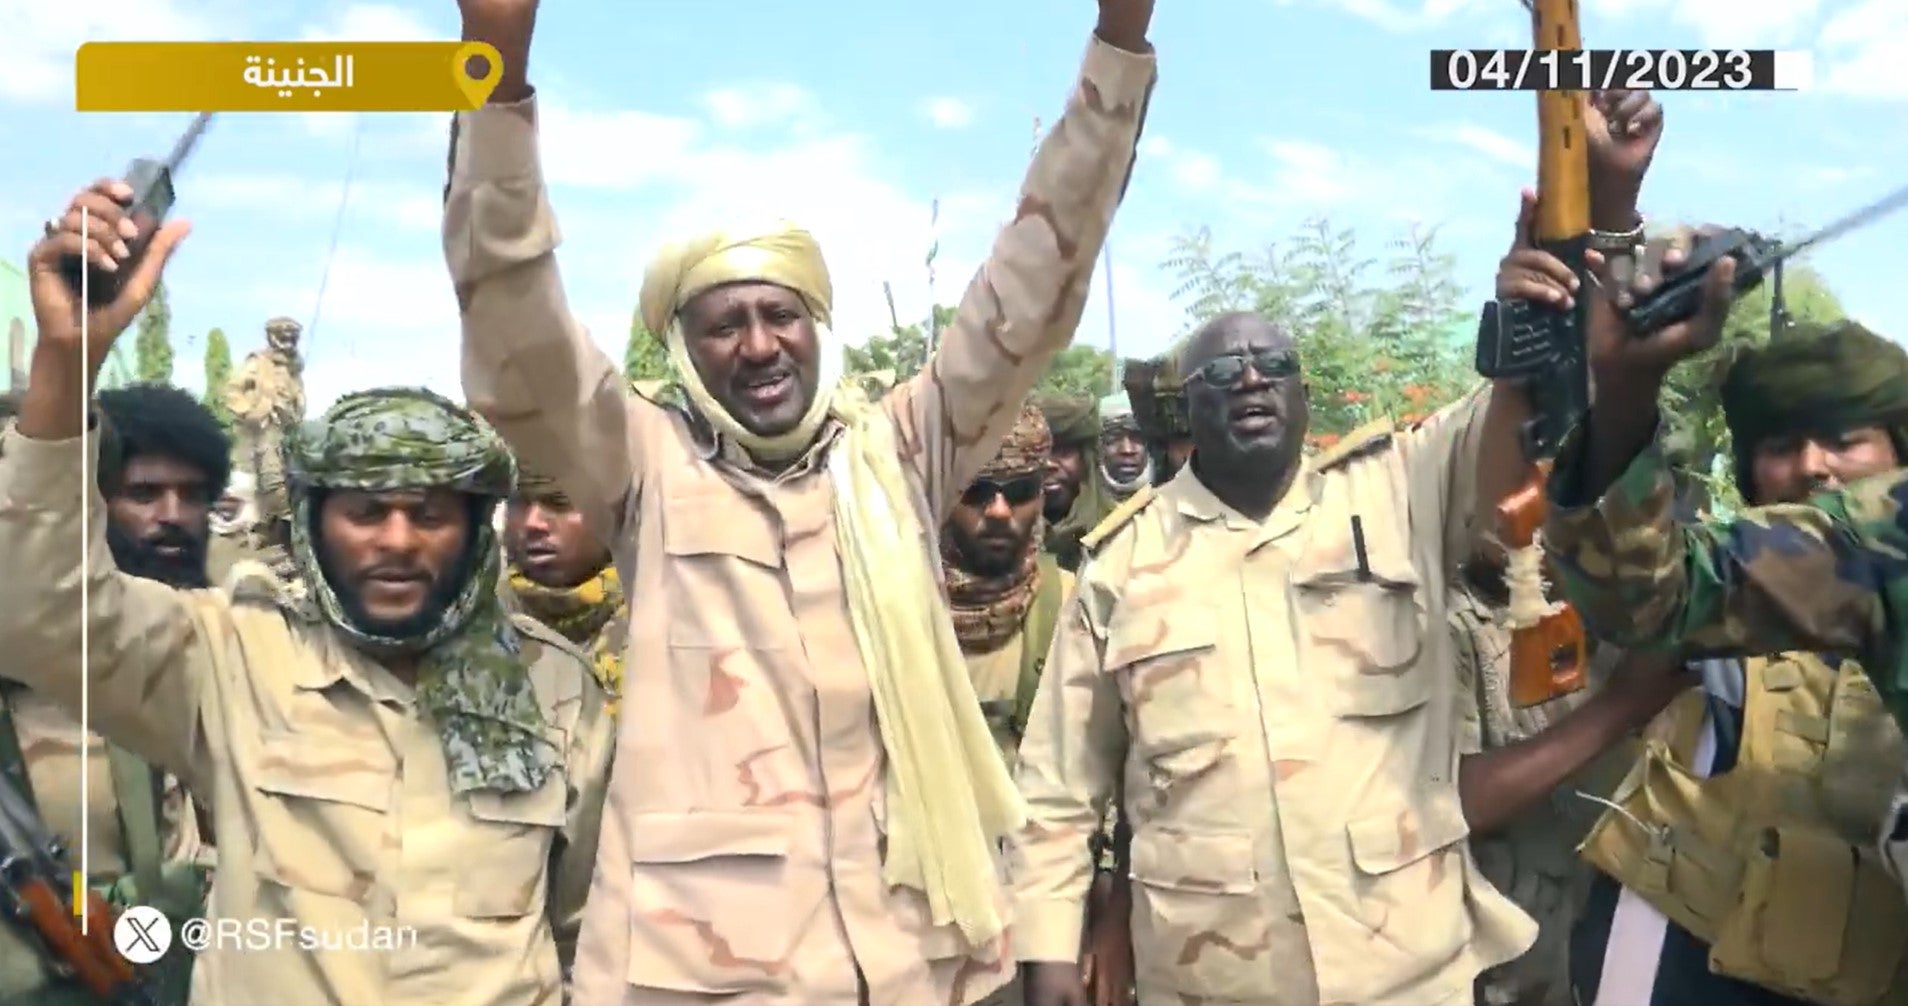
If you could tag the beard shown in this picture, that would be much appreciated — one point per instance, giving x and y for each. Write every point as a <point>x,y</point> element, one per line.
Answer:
<point>442,595</point>
<point>985,554</point>
<point>142,558</point>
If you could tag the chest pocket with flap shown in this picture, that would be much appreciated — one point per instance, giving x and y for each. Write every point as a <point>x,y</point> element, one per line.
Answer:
<point>725,557</point>
<point>320,812</point>
<point>512,835</point>
<point>1363,613</point>
<point>1177,696</point>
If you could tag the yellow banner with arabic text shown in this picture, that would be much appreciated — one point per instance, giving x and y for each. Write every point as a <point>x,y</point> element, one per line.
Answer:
<point>284,76</point>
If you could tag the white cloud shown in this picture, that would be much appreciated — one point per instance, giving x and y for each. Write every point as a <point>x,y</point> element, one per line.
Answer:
<point>745,106</point>
<point>37,47</point>
<point>1310,172</point>
<point>948,113</point>
<point>1486,142</point>
<point>1865,50</point>
<point>1196,170</point>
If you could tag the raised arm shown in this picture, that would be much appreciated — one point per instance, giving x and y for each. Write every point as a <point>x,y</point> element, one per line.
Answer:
<point>529,367</point>
<point>1023,305</point>
<point>69,623</point>
<point>1821,576</point>
<point>1069,765</point>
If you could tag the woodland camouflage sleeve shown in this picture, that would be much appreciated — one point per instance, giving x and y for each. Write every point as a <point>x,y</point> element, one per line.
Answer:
<point>1820,577</point>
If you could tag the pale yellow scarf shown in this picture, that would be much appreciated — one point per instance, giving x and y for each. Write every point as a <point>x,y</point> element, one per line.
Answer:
<point>950,796</point>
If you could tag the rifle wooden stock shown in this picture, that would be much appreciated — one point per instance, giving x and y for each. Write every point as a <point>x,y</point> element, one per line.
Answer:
<point>95,962</point>
<point>1547,659</point>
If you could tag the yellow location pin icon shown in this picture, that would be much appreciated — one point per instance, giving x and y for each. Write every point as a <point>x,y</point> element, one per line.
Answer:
<point>477,89</point>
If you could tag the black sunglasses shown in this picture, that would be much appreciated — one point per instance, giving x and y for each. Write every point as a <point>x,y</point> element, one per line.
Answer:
<point>981,492</point>
<point>1228,371</point>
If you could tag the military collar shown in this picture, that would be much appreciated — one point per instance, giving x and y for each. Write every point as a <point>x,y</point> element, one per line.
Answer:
<point>712,446</point>
<point>1192,498</point>
<point>339,661</point>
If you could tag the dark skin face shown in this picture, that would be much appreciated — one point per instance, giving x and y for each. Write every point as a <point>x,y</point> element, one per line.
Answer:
<point>546,541</point>
<point>394,557</point>
<point>992,522</point>
<point>1247,432</point>
<point>161,518</point>
<point>1066,467</point>
<point>1790,469</point>
<point>754,346</point>
<point>1123,454</point>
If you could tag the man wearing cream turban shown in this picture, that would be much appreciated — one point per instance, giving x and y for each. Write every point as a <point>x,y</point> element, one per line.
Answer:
<point>807,803</point>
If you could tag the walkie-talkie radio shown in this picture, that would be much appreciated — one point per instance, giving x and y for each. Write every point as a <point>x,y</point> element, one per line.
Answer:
<point>153,197</point>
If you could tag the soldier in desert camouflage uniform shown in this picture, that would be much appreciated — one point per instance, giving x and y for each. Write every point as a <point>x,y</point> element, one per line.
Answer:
<point>405,754</point>
<point>266,395</point>
<point>1268,625</point>
<point>807,801</point>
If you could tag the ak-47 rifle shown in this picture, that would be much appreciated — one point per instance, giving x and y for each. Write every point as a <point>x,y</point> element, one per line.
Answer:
<point>38,891</point>
<point>1544,347</point>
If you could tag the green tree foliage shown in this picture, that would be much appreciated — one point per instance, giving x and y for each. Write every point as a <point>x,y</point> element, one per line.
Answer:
<point>152,343</point>
<point>644,357</point>
<point>1379,337</point>
<point>1698,438</point>
<point>218,371</point>
<point>903,351</point>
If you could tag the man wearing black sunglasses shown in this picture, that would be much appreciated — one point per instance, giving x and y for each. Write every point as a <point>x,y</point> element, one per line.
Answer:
<point>1260,649</point>
<point>1004,589</point>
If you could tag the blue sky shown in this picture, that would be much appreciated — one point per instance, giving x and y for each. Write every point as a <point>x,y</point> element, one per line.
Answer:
<point>854,115</point>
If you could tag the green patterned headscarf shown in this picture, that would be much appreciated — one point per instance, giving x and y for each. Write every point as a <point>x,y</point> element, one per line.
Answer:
<point>472,678</point>
<point>1815,379</point>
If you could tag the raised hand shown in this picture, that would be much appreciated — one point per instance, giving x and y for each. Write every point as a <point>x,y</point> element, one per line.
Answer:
<point>1617,351</point>
<point>57,307</point>
<point>1124,23</point>
<point>1529,273</point>
<point>1623,128</point>
<point>508,25</point>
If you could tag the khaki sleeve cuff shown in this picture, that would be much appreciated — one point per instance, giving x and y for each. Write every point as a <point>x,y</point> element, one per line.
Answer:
<point>1048,930</point>
<point>498,143</point>
<point>1117,73</point>
<point>47,473</point>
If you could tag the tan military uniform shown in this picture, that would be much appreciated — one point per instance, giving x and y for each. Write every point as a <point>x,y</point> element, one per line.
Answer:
<point>1533,860</point>
<point>328,790</point>
<point>1289,732</point>
<point>266,394</point>
<point>742,853</point>
<point>1773,862</point>
<point>49,739</point>
<point>1004,678</point>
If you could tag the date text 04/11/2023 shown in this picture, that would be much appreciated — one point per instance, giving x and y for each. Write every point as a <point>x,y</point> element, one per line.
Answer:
<point>1629,69</point>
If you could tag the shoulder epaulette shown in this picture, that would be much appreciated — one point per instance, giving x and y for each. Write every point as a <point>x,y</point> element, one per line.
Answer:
<point>1373,436</point>
<point>1117,519</point>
